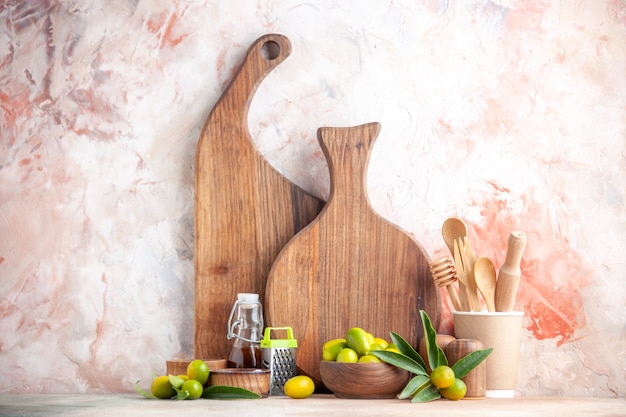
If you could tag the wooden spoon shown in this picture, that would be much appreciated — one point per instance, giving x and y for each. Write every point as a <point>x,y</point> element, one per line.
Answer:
<point>468,261</point>
<point>452,229</point>
<point>485,275</point>
<point>462,276</point>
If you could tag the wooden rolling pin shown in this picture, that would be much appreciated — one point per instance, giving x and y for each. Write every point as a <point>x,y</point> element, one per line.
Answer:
<point>510,273</point>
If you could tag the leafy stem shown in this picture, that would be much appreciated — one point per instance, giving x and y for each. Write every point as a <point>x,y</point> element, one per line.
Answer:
<point>420,386</point>
<point>213,392</point>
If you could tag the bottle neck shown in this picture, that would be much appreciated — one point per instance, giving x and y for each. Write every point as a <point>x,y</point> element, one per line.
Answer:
<point>247,326</point>
<point>247,337</point>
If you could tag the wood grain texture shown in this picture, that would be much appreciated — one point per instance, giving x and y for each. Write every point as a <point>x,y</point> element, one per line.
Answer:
<point>476,380</point>
<point>179,366</point>
<point>349,267</point>
<point>245,211</point>
<point>255,380</point>
<point>363,380</point>
<point>509,275</point>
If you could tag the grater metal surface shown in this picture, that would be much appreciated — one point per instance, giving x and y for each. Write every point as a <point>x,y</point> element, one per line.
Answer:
<point>279,356</point>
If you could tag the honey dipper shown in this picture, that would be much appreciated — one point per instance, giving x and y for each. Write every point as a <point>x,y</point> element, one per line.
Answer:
<point>444,274</point>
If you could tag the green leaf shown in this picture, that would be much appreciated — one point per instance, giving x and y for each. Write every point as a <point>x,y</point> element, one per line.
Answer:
<point>222,392</point>
<point>416,384</point>
<point>470,361</point>
<point>428,393</point>
<point>176,381</point>
<point>180,394</point>
<point>142,392</point>
<point>405,348</point>
<point>400,360</point>
<point>436,356</point>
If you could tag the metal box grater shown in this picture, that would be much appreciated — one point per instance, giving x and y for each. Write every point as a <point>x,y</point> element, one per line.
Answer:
<point>279,356</point>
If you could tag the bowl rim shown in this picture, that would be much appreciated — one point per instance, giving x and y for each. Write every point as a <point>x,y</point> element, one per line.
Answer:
<point>244,371</point>
<point>489,313</point>
<point>360,364</point>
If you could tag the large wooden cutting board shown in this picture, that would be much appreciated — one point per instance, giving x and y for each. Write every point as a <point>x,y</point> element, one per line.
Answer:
<point>245,211</point>
<point>349,267</point>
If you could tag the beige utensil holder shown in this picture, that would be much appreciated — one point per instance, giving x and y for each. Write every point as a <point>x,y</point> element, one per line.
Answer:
<point>501,331</point>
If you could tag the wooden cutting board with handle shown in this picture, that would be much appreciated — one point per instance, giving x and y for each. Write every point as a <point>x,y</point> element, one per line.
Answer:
<point>349,267</point>
<point>245,211</point>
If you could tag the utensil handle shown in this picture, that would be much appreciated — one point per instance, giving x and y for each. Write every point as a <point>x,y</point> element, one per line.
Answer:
<point>463,300</point>
<point>460,270</point>
<point>490,302</point>
<point>453,297</point>
<point>469,260</point>
<point>509,275</point>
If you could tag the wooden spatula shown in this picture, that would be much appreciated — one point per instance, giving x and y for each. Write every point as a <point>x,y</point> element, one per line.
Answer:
<point>349,267</point>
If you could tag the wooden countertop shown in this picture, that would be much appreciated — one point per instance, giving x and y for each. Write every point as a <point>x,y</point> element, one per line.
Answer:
<point>100,405</point>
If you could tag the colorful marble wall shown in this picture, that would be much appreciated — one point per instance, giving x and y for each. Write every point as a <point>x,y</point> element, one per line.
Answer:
<point>507,113</point>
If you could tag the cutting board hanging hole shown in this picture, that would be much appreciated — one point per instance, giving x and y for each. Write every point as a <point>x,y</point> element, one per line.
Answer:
<point>270,50</point>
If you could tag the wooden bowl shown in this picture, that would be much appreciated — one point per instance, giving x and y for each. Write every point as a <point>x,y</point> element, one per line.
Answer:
<point>252,379</point>
<point>179,367</point>
<point>363,380</point>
